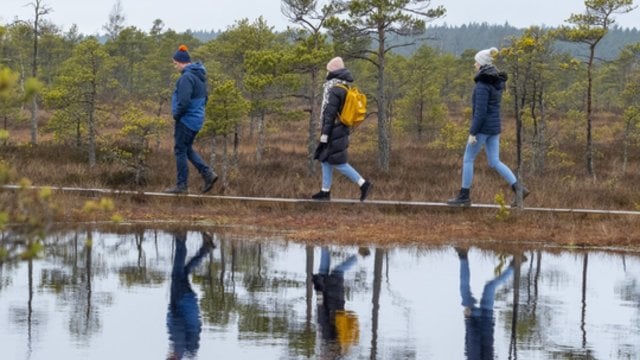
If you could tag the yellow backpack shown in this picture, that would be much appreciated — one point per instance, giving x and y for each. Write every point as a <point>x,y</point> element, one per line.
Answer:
<point>347,329</point>
<point>355,106</point>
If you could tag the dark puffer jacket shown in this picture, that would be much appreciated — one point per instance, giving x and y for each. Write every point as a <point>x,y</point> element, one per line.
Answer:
<point>486,99</point>
<point>338,134</point>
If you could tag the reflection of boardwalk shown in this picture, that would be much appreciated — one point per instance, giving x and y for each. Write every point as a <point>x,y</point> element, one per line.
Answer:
<point>424,204</point>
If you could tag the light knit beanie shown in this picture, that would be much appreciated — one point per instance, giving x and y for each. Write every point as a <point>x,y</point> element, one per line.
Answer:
<point>485,57</point>
<point>335,64</point>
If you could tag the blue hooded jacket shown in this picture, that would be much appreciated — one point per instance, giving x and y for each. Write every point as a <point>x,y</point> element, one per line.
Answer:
<point>190,97</point>
<point>183,318</point>
<point>486,99</point>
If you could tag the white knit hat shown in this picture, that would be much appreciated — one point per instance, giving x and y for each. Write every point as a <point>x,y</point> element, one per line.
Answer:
<point>485,57</point>
<point>335,64</point>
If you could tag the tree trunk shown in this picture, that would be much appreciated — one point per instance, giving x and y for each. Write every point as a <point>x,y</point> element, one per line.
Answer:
<point>420,119</point>
<point>92,127</point>
<point>236,145</point>
<point>625,146</point>
<point>225,161</point>
<point>261,138</point>
<point>34,73</point>
<point>540,152</point>
<point>78,134</point>
<point>6,119</point>
<point>518,97</point>
<point>314,120</point>
<point>34,120</point>
<point>589,154</point>
<point>158,114</point>
<point>212,157</point>
<point>252,126</point>
<point>384,137</point>
<point>92,139</point>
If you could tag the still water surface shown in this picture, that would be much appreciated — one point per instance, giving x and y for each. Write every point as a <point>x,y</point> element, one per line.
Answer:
<point>161,295</point>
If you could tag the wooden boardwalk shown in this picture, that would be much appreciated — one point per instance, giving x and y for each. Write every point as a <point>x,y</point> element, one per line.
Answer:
<point>425,204</point>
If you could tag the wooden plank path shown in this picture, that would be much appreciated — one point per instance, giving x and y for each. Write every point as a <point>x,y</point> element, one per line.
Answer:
<point>333,201</point>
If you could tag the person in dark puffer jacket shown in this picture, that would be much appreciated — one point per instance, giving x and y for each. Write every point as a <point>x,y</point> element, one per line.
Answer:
<point>485,126</point>
<point>334,139</point>
<point>188,108</point>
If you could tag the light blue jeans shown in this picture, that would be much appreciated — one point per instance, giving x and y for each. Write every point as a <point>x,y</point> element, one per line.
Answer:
<point>489,291</point>
<point>491,145</point>
<point>346,170</point>
<point>340,269</point>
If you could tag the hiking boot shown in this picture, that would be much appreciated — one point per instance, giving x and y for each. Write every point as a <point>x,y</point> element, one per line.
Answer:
<point>462,252</point>
<point>178,189</point>
<point>462,199</point>
<point>322,196</point>
<point>365,189</point>
<point>364,251</point>
<point>209,180</point>
<point>318,282</point>
<point>207,242</point>
<point>523,259</point>
<point>525,192</point>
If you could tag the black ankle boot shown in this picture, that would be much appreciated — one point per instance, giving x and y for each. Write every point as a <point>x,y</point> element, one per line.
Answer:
<point>322,195</point>
<point>209,179</point>
<point>462,199</point>
<point>364,190</point>
<point>525,192</point>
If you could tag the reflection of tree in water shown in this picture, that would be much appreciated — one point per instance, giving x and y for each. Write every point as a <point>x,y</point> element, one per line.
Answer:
<point>84,318</point>
<point>5,281</point>
<point>140,273</point>
<point>219,299</point>
<point>525,312</point>
<point>628,290</point>
<point>537,315</point>
<point>71,277</point>
<point>26,315</point>
<point>241,268</point>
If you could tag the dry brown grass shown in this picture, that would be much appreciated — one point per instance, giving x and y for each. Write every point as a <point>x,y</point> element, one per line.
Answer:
<point>417,173</point>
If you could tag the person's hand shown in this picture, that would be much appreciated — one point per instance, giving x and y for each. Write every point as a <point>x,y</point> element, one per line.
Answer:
<point>472,140</point>
<point>324,139</point>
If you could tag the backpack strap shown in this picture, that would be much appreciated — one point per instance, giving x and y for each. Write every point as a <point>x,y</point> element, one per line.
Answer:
<point>346,88</point>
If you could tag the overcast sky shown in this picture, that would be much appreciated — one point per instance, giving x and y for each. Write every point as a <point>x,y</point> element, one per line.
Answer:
<point>91,15</point>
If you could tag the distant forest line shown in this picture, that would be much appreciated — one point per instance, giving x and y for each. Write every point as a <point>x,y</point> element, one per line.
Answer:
<point>456,39</point>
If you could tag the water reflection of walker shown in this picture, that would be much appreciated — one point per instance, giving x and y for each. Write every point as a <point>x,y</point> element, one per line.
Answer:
<point>479,320</point>
<point>339,327</point>
<point>183,318</point>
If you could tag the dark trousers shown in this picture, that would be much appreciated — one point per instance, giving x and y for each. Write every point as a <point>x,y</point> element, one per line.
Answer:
<point>183,150</point>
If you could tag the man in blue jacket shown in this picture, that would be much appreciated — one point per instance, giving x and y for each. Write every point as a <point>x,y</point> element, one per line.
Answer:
<point>183,317</point>
<point>188,107</point>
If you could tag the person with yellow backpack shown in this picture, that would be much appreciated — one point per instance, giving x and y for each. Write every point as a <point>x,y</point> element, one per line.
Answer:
<point>338,327</point>
<point>339,95</point>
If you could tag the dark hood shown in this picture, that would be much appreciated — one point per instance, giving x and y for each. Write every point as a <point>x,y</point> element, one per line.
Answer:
<point>489,74</point>
<point>196,69</point>
<point>342,74</point>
